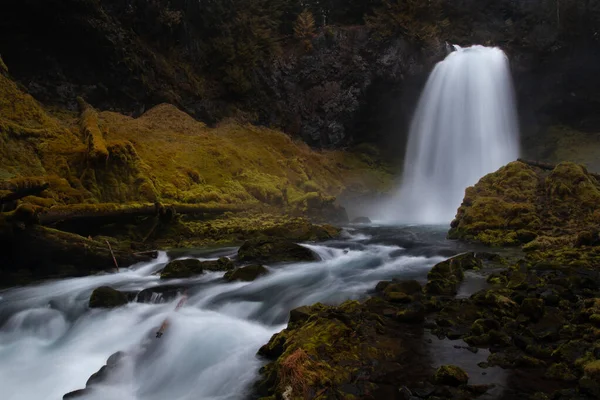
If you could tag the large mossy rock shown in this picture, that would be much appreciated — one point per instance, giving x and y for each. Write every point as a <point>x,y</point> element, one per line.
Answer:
<point>451,375</point>
<point>190,267</point>
<point>246,274</point>
<point>107,297</point>
<point>521,203</point>
<point>324,347</point>
<point>271,250</point>
<point>445,277</point>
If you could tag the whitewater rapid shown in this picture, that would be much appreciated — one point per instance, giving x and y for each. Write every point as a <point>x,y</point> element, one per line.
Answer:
<point>464,127</point>
<point>51,342</point>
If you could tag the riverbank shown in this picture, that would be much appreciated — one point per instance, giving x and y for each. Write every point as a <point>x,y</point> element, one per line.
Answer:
<point>107,188</point>
<point>535,316</point>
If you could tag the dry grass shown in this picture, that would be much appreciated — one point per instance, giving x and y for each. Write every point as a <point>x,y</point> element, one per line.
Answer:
<point>293,373</point>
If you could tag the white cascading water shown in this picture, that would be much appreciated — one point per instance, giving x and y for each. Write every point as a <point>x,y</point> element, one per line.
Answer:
<point>51,342</point>
<point>464,127</point>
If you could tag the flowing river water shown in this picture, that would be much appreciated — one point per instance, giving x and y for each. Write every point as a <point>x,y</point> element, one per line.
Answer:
<point>51,342</point>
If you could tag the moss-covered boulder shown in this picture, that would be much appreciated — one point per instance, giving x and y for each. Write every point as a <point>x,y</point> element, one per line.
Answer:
<point>532,308</point>
<point>107,297</point>
<point>191,266</point>
<point>324,348</point>
<point>522,203</point>
<point>182,269</point>
<point>271,250</point>
<point>451,375</point>
<point>445,277</point>
<point>247,274</point>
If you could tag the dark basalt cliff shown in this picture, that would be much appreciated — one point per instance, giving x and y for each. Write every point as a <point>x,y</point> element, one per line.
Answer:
<point>355,78</point>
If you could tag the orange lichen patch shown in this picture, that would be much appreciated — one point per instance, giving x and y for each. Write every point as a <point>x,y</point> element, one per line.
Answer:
<point>294,372</point>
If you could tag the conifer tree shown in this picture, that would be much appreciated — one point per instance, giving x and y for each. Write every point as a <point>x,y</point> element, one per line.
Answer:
<point>304,28</point>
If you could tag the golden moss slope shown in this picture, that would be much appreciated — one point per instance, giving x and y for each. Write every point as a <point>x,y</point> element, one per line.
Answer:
<point>165,155</point>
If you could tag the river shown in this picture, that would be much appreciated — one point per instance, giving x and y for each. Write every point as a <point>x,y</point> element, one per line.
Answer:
<point>51,342</point>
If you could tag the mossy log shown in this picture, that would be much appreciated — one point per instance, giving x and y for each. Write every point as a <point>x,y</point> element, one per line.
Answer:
<point>549,167</point>
<point>31,252</point>
<point>115,212</point>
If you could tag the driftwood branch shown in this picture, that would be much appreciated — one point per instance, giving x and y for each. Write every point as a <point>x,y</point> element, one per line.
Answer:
<point>112,254</point>
<point>111,211</point>
<point>549,167</point>
<point>23,192</point>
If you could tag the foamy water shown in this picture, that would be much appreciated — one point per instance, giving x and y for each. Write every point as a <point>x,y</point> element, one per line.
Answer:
<point>50,342</point>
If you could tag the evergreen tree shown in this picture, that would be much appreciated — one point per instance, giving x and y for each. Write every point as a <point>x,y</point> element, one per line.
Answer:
<point>304,29</point>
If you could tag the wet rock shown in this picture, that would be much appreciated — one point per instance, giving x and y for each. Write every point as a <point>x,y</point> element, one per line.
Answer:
<point>425,391</point>
<point>274,348</point>
<point>571,351</point>
<point>272,250</point>
<point>246,274</point>
<point>300,314</point>
<point>550,297</point>
<point>107,297</point>
<point>77,394</point>
<point>590,386</point>
<point>592,370</point>
<point>560,371</point>
<point>98,377</point>
<point>182,269</point>
<point>349,343</point>
<point>548,328</point>
<point>451,375</point>
<point>445,277</point>
<point>501,305</point>
<point>413,313</point>
<point>482,326</point>
<point>222,264</point>
<point>478,390</point>
<point>397,297</point>
<point>115,358</point>
<point>533,308</point>
<point>404,286</point>
<point>159,294</point>
<point>361,220</point>
<point>190,267</point>
<point>382,285</point>
<point>404,393</point>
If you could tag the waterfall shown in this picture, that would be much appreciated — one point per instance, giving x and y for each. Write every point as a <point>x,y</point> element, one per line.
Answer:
<point>464,127</point>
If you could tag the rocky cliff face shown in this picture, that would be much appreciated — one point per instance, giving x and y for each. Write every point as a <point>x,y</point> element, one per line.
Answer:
<point>349,85</point>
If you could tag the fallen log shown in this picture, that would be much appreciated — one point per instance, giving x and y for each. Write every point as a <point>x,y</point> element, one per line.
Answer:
<point>31,252</point>
<point>548,167</point>
<point>115,212</point>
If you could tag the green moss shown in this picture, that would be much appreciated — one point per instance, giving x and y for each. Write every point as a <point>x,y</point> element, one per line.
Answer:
<point>247,274</point>
<point>544,210</point>
<point>592,369</point>
<point>165,155</point>
<point>91,132</point>
<point>107,297</point>
<point>190,267</point>
<point>273,250</point>
<point>451,375</point>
